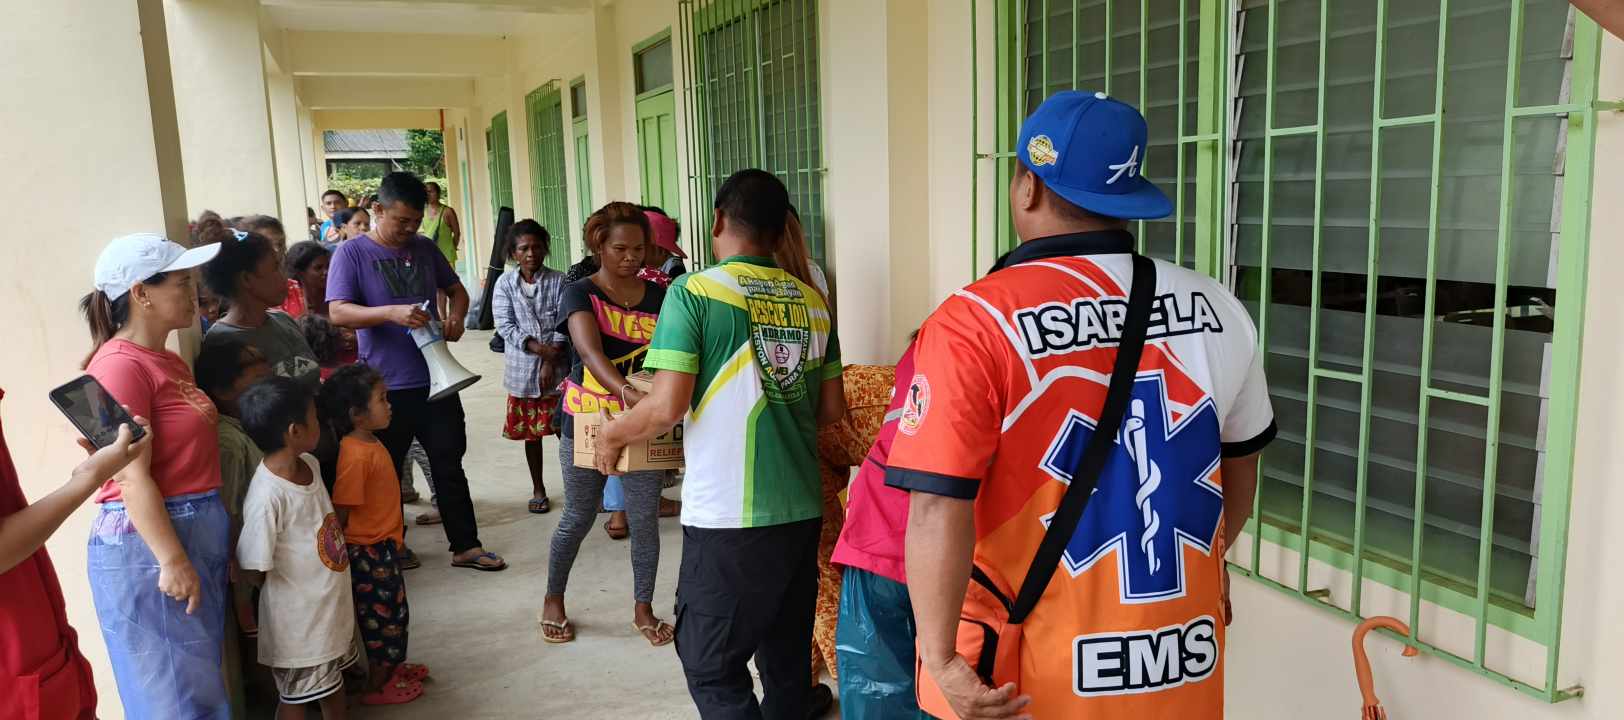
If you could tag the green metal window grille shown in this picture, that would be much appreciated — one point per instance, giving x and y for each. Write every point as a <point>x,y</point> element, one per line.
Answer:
<point>752,101</point>
<point>583,158</point>
<point>1400,193</point>
<point>501,173</point>
<point>544,110</point>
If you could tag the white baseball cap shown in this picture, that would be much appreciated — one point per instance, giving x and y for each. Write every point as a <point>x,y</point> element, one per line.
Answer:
<point>134,258</point>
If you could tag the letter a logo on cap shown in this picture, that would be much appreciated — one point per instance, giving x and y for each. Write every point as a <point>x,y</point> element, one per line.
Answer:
<point>1129,166</point>
<point>1040,150</point>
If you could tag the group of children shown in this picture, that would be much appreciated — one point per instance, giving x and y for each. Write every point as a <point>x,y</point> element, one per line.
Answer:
<point>322,555</point>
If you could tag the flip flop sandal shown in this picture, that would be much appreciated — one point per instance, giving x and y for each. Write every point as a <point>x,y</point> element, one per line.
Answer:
<point>394,692</point>
<point>541,506</point>
<point>431,517</point>
<point>670,508</point>
<point>409,561</point>
<point>616,533</point>
<point>411,672</point>
<point>658,625</point>
<point>475,563</point>
<point>564,627</point>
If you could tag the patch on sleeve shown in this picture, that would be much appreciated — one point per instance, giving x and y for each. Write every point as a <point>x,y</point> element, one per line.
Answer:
<point>916,406</point>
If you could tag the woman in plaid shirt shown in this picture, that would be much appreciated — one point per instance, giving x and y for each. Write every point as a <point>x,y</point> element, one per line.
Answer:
<point>525,305</point>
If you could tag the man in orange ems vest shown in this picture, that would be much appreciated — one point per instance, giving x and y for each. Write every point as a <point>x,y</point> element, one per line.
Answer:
<point>1126,619</point>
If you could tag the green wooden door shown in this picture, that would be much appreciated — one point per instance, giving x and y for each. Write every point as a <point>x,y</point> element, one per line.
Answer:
<point>657,150</point>
<point>583,156</point>
<point>501,173</point>
<point>544,110</point>
<point>583,174</point>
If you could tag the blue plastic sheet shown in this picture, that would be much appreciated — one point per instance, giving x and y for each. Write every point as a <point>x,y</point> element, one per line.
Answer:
<point>874,645</point>
<point>167,663</point>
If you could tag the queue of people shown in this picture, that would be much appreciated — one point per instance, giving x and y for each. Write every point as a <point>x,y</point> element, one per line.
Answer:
<point>933,589</point>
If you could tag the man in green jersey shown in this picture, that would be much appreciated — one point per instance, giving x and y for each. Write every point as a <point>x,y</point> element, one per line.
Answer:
<point>747,354</point>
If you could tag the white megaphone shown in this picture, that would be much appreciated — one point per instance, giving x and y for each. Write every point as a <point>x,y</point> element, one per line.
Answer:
<point>447,377</point>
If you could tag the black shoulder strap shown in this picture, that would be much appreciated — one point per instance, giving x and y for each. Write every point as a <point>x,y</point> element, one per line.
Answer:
<point>1086,475</point>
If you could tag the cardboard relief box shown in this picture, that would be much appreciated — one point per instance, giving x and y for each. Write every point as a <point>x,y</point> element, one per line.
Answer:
<point>660,453</point>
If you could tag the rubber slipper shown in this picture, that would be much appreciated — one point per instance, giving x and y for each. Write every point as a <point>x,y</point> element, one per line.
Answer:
<point>541,506</point>
<point>564,627</point>
<point>409,561</point>
<point>616,533</point>
<point>395,692</point>
<point>475,563</point>
<point>670,508</point>
<point>658,626</point>
<point>431,517</point>
<point>411,672</point>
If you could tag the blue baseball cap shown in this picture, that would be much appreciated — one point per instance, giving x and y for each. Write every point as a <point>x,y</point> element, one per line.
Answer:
<point>1089,148</point>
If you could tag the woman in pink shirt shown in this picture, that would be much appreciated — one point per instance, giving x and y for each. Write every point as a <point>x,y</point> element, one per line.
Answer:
<point>874,639</point>
<point>158,548</point>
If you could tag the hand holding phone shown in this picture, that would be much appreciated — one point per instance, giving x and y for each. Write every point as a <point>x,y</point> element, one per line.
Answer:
<point>106,462</point>
<point>94,411</point>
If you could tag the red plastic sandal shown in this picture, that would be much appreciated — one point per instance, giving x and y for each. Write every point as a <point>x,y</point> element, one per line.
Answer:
<point>409,672</point>
<point>395,692</point>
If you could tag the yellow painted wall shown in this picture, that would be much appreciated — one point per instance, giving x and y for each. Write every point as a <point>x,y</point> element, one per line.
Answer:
<point>60,161</point>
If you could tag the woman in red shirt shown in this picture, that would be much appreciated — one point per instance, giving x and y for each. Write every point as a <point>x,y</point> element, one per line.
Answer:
<point>42,674</point>
<point>158,548</point>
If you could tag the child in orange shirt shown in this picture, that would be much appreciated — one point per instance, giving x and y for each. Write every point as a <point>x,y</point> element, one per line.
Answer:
<point>355,403</point>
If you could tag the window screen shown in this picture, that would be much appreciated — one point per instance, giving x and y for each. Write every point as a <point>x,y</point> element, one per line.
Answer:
<point>754,101</point>
<point>1307,213</point>
<point>578,100</point>
<point>653,65</point>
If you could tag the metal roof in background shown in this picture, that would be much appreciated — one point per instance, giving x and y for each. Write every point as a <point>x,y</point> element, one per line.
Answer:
<point>372,142</point>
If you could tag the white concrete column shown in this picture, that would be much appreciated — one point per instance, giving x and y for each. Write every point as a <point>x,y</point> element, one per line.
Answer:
<point>608,122</point>
<point>874,105</point>
<point>288,149</point>
<point>318,149</point>
<point>524,204</point>
<point>220,94</point>
<point>81,126</point>
<point>315,172</point>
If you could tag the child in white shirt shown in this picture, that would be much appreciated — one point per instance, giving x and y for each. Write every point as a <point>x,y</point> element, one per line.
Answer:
<point>293,543</point>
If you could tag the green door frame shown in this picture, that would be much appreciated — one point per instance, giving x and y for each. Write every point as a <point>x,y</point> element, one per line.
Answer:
<point>583,158</point>
<point>657,137</point>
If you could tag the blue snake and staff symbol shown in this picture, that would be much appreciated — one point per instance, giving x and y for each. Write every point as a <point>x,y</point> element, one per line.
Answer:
<point>1150,478</point>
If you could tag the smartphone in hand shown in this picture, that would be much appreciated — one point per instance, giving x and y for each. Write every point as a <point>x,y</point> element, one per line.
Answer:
<point>94,411</point>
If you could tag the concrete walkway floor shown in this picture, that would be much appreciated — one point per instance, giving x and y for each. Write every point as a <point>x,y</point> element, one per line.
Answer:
<point>478,632</point>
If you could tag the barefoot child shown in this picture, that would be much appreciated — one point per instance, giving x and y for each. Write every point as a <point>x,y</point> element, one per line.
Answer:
<point>355,402</point>
<point>291,542</point>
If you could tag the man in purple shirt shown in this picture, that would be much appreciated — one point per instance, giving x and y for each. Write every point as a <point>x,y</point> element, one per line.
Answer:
<point>377,284</point>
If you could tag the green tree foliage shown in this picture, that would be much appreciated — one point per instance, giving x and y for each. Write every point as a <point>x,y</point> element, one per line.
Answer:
<point>425,153</point>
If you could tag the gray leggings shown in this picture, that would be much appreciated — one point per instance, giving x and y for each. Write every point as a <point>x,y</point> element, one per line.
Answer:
<point>583,495</point>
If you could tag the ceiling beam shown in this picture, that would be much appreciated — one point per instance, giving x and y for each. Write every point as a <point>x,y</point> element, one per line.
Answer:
<point>373,119</point>
<point>336,53</point>
<point>396,93</point>
<point>525,6</point>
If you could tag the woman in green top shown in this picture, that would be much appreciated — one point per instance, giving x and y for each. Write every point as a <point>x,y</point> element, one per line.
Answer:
<point>440,224</point>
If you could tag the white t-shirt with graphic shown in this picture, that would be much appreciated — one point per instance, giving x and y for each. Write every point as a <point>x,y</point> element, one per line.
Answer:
<point>290,533</point>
